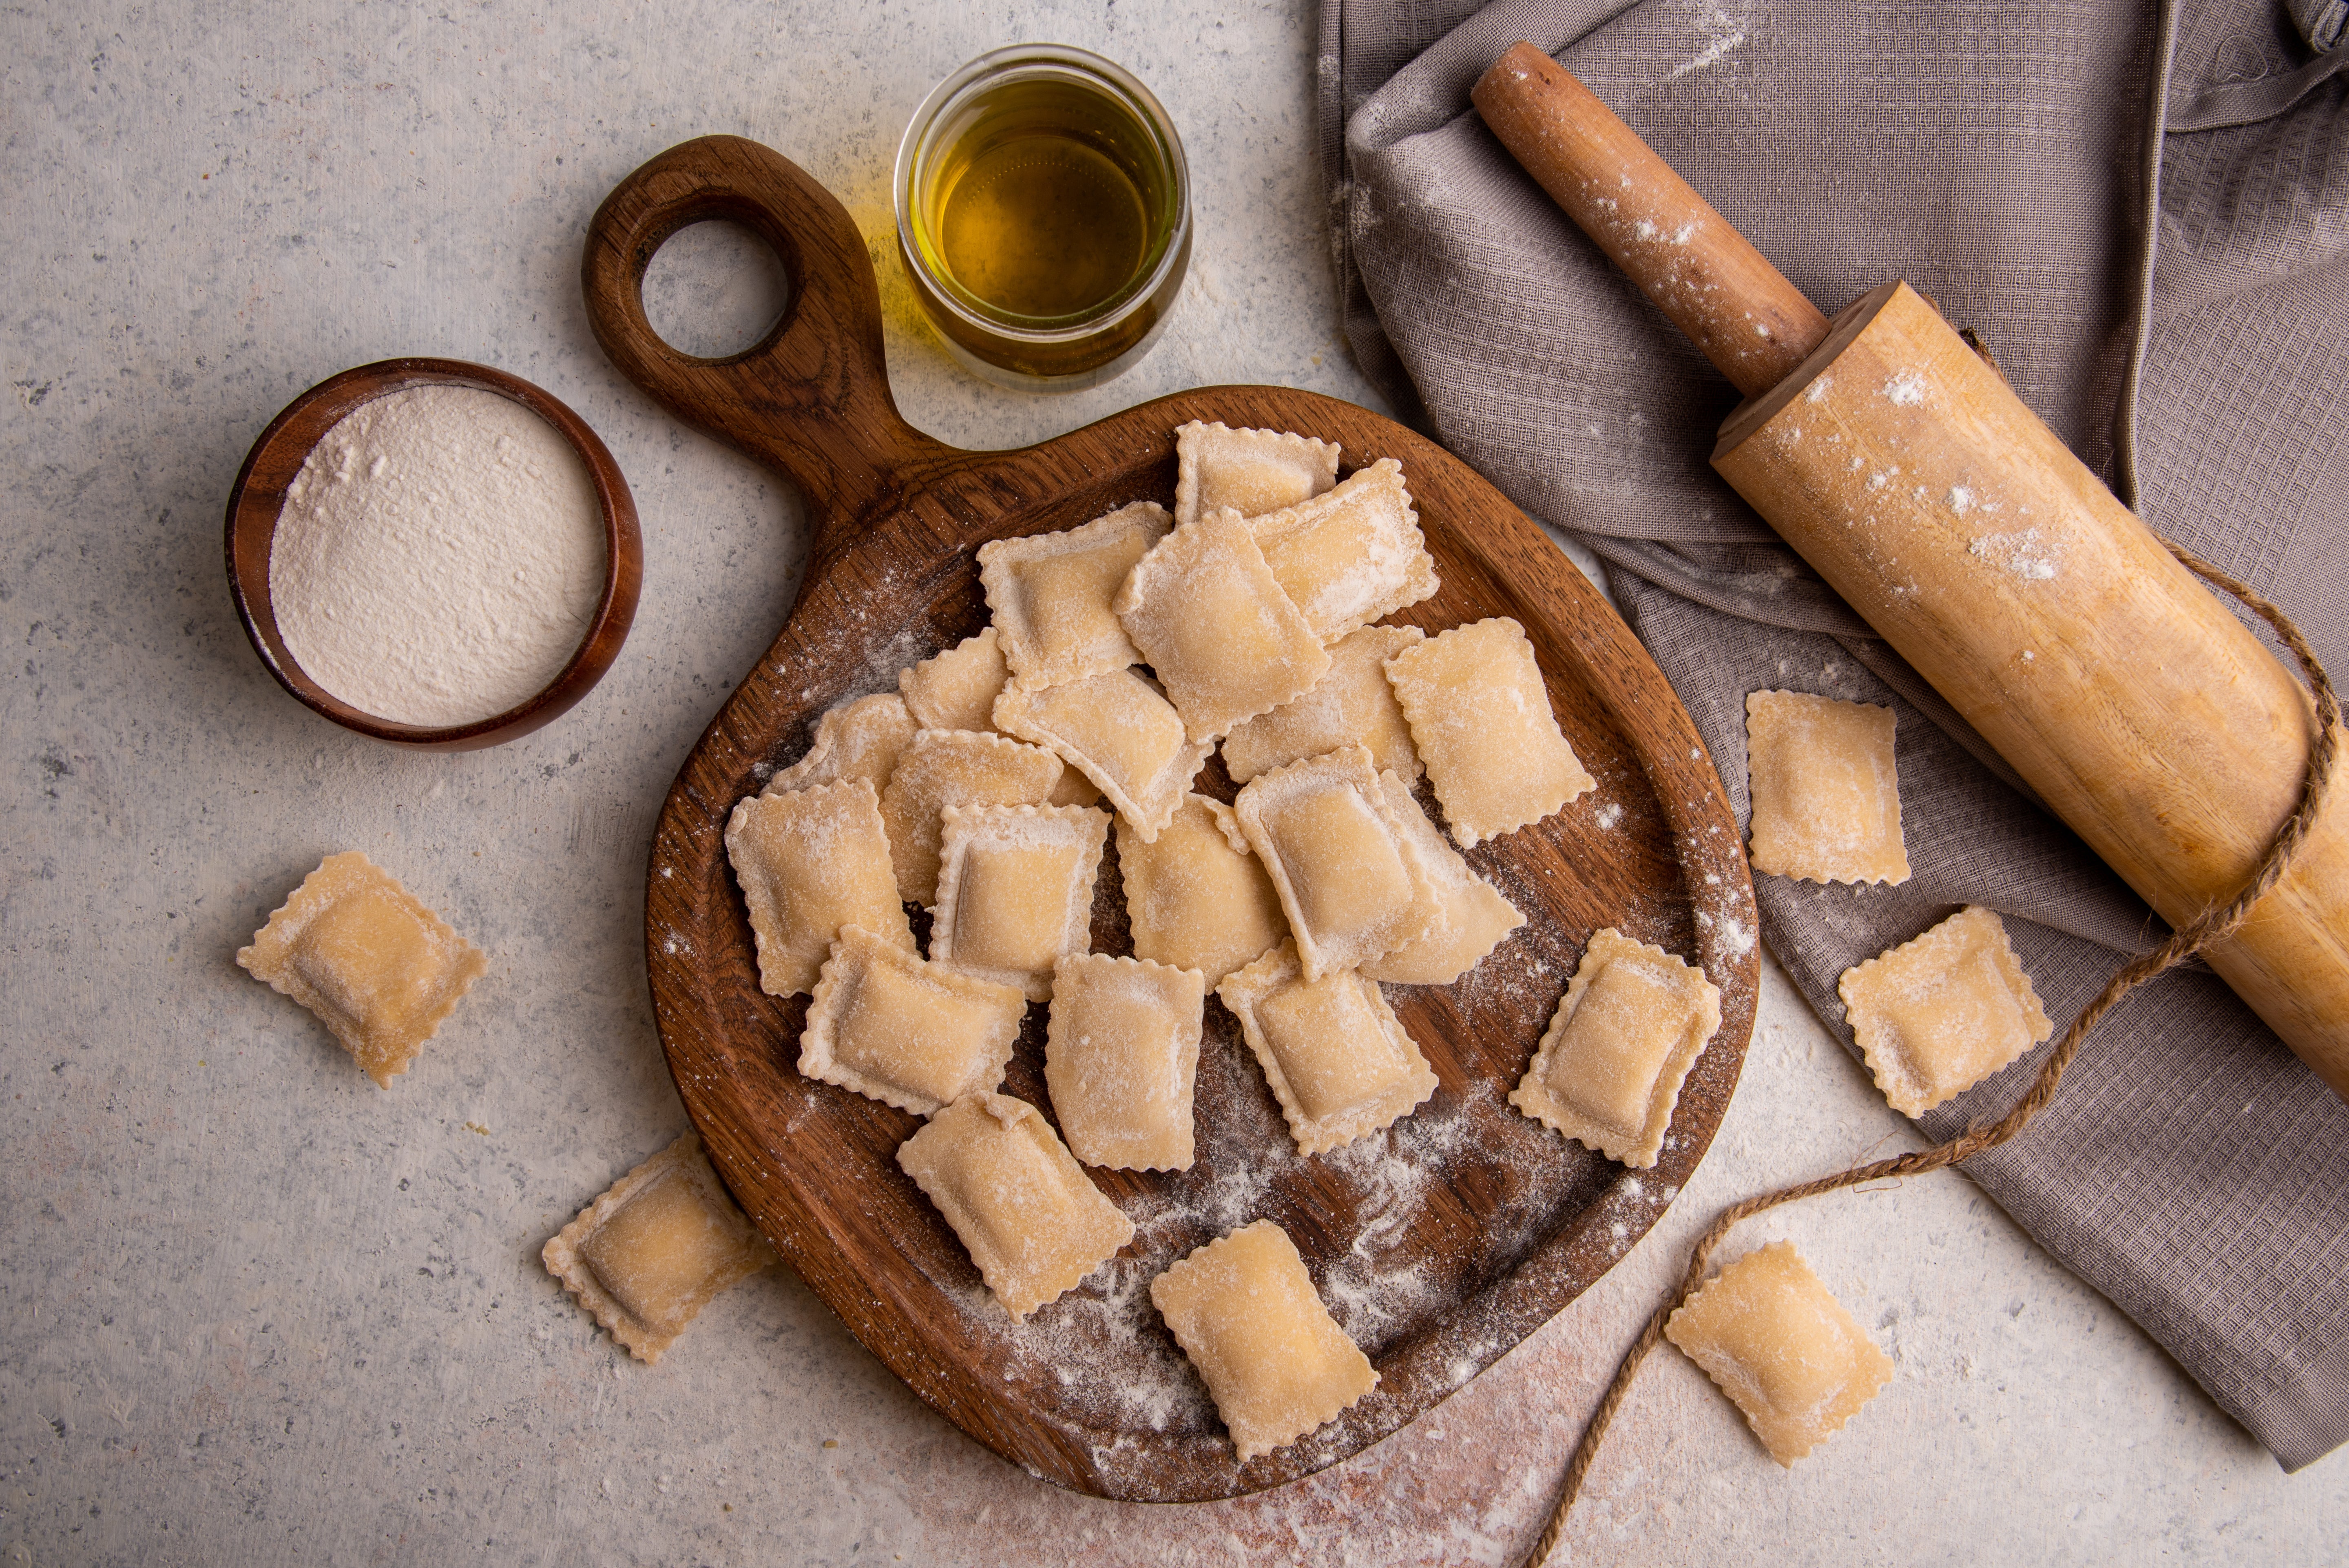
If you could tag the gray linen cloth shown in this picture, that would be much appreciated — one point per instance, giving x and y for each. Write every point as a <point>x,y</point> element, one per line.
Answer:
<point>2004,161</point>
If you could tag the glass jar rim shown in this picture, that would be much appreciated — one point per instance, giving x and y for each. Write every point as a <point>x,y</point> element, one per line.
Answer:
<point>985,71</point>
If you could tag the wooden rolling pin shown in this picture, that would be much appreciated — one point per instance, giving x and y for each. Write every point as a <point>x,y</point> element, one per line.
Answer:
<point>1920,486</point>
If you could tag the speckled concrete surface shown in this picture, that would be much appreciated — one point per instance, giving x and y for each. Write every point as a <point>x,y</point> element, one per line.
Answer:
<point>254,1310</point>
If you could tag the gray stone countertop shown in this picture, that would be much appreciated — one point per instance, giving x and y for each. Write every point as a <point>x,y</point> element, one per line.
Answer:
<point>254,1310</point>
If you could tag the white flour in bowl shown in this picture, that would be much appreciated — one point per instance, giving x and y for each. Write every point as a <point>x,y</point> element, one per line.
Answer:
<point>439,557</point>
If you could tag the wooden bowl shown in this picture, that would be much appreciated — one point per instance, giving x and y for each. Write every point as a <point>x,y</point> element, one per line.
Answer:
<point>259,495</point>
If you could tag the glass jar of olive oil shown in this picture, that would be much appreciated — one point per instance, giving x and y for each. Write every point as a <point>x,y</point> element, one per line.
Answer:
<point>1044,216</point>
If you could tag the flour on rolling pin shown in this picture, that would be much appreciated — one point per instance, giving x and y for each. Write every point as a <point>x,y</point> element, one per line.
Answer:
<point>439,558</point>
<point>1944,510</point>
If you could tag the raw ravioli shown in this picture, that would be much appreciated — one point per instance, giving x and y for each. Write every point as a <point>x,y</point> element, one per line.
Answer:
<point>663,1243</point>
<point>1609,1069</point>
<point>1936,1015</point>
<point>905,1032</point>
<point>378,968</point>
<point>1027,1212</point>
<point>1245,1311</point>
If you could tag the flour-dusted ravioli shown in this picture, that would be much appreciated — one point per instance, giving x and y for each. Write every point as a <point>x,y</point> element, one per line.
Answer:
<point>946,767</point>
<point>1936,1015</point>
<point>1073,789</point>
<point>1016,891</point>
<point>1251,471</point>
<point>1350,706</point>
<point>1336,855</point>
<point>1118,730</point>
<point>1827,795</point>
<point>1026,1212</point>
<point>1213,622</point>
<point>1245,1311</point>
<point>378,968</point>
<point>1121,1056</point>
<point>811,861</point>
<point>858,739</point>
<point>1779,1344</point>
<point>1609,1070</point>
<point>1352,555</point>
<point>957,689</point>
<point>1196,896</point>
<point>662,1243</point>
<point>1336,1056</point>
<point>1470,917</point>
<point>1052,594</point>
<point>1481,718</point>
<point>909,1033</point>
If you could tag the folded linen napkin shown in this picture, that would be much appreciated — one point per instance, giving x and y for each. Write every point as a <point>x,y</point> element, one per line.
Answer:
<point>2006,163</point>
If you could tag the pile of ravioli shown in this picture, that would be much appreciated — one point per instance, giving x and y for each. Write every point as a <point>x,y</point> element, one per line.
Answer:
<point>1120,657</point>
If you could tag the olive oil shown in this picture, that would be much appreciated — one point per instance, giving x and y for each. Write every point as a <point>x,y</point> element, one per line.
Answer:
<point>1044,215</point>
<point>1043,225</point>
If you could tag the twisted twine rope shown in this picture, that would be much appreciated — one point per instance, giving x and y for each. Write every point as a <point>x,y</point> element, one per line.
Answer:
<point>2214,925</point>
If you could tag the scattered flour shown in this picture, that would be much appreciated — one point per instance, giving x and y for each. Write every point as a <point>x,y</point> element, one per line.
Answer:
<point>2021,552</point>
<point>439,558</point>
<point>1724,34</point>
<point>1907,388</point>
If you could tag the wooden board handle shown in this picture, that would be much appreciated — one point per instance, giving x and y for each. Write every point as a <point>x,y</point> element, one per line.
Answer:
<point>810,400</point>
<point>1733,304</point>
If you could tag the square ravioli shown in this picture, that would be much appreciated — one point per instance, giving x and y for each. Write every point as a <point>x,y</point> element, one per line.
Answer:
<point>1016,891</point>
<point>1350,706</point>
<point>1119,731</point>
<point>662,1243</point>
<point>1052,594</point>
<point>1350,556</point>
<point>1026,1212</point>
<point>811,861</point>
<point>1336,854</point>
<point>1250,471</point>
<point>1195,896</point>
<point>1245,1311</point>
<point>1470,916</point>
<point>957,689</point>
<point>1826,792</point>
<point>909,1033</point>
<point>1481,718</point>
<point>1336,1056</point>
<point>1217,626</point>
<point>1936,1015</point>
<point>379,969</point>
<point>1779,1344</point>
<point>1609,1071</point>
<point>1121,1057</point>
<point>946,767</point>
<point>858,739</point>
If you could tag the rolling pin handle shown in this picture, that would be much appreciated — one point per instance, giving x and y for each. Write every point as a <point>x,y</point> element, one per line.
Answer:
<point>1754,325</point>
<point>812,397</point>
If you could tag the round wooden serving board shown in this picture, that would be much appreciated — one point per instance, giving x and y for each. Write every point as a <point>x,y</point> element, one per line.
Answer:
<point>1439,1243</point>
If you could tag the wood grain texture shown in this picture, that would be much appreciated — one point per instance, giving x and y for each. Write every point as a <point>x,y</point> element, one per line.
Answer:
<point>1440,1243</point>
<point>2141,709</point>
<point>1754,325</point>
